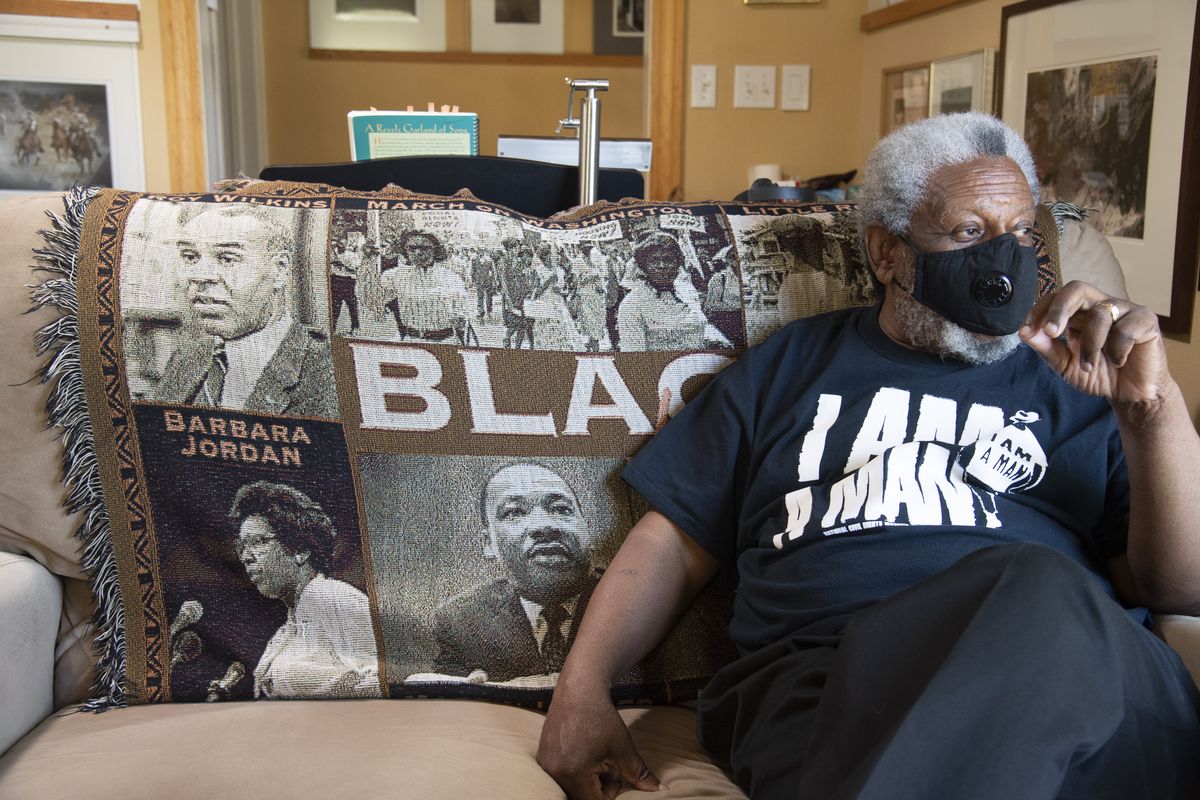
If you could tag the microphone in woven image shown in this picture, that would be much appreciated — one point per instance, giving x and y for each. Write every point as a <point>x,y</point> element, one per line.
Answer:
<point>222,689</point>
<point>186,644</point>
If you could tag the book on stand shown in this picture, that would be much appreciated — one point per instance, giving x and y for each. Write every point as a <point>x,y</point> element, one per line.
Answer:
<point>385,134</point>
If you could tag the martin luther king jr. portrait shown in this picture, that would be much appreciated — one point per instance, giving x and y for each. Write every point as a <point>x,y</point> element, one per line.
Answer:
<point>524,622</point>
<point>221,310</point>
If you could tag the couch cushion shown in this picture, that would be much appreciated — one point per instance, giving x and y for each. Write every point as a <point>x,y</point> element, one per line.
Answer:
<point>30,600</point>
<point>74,659</point>
<point>426,748</point>
<point>1087,256</point>
<point>32,520</point>
<point>1183,634</point>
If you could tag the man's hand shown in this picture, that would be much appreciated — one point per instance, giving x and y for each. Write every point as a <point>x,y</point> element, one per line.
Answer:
<point>587,749</point>
<point>650,582</point>
<point>1111,348</point>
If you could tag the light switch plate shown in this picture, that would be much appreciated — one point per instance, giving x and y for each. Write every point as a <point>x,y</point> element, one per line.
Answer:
<point>704,85</point>
<point>794,83</point>
<point>754,86</point>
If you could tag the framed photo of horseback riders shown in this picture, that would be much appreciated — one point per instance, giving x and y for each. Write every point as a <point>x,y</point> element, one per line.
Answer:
<point>69,114</point>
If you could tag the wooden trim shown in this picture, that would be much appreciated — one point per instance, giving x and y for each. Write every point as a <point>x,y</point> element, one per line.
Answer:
<point>885,105</point>
<point>65,8</point>
<point>459,57</point>
<point>1187,237</point>
<point>667,56</point>
<point>181,83</point>
<point>902,12</point>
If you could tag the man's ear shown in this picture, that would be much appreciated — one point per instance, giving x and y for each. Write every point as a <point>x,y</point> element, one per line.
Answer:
<point>282,260</point>
<point>491,550</point>
<point>885,252</point>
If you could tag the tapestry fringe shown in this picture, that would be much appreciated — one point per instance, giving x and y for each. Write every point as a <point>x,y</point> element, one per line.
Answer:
<point>1062,210</point>
<point>67,411</point>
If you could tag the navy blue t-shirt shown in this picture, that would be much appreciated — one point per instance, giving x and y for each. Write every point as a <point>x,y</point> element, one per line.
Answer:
<point>835,468</point>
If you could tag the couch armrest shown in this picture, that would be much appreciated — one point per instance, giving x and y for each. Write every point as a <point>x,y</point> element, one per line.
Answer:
<point>1183,634</point>
<point>30,605</point>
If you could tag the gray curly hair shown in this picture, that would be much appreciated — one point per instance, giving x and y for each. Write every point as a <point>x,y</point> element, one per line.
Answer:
<point>899,167</point>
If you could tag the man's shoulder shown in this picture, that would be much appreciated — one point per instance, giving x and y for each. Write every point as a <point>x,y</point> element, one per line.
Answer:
<point>489,594</point>
<point>187,364</point>
<point>826,323</point>
<point>805,339</point>
<point>590,581</point>
<point>304,339</point>
<point>193,347</point>
<point>299,376</point>
<point>308,331</point>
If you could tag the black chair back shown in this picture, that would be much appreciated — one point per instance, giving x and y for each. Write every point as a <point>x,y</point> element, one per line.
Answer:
<point>530,187</point>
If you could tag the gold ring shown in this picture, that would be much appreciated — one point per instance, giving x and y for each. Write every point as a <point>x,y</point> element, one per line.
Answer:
<point>1112,309</point>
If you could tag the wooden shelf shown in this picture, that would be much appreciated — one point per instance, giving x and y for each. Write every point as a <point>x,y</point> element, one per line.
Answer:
<point>902,12</point>
<point>523,59</point>
<point>64,8</point>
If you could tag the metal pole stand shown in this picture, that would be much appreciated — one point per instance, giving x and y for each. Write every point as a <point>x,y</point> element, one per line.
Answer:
<point>588,125</point>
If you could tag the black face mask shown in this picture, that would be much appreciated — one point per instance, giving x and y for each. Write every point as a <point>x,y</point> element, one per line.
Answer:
<point>986,288</point>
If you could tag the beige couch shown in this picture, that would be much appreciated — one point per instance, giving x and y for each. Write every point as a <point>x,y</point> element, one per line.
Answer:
<point>321,749</point>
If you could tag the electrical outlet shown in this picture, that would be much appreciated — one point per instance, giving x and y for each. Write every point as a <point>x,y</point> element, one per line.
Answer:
<point>754,87</point>
<point>704,85</point>
<point>794,81</point>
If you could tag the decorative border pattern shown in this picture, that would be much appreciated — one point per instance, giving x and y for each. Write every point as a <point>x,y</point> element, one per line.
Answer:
<point>120,416</point>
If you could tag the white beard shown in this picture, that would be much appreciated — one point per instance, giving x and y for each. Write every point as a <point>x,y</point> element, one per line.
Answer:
<point>927,330</point>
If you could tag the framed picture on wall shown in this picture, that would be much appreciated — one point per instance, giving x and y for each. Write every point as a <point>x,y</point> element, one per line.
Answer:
<point>962,83</point>
<point>1105,92</point>
<point>517,26</point>
<point>61,135</point>
<point>618,27</point>
<point>905,96</point>
<point>407,25</point>
<point>69,114</point>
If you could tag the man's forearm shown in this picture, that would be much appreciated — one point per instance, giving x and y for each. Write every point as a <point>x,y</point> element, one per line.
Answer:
<point>1162,451</point>
<point>650,583</point>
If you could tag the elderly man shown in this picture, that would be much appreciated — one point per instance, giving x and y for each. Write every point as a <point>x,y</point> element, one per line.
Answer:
<point>524,623</point>
<point>936,508</point>
<point>251,354</point>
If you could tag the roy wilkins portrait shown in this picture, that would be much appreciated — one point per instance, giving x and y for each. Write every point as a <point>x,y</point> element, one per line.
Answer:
<point>242,348</point>
<point>522,623</point>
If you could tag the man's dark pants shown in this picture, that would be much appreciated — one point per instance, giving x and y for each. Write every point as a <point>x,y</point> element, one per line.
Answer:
<point>1013,674</point>
<point>342,290</point>
<point>483,298</point>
